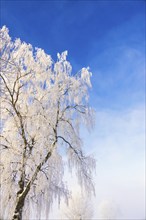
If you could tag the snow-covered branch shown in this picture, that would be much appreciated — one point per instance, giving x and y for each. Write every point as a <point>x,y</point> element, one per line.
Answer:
<point>43,106</point>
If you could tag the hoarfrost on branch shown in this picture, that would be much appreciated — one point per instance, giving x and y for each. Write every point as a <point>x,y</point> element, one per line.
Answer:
<point>42,107</point>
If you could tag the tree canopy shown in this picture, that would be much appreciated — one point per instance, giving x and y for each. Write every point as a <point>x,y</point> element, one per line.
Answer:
<point>43,105</point>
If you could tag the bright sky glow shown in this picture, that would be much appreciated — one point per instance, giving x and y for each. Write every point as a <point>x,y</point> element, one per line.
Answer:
<point>108,36</point>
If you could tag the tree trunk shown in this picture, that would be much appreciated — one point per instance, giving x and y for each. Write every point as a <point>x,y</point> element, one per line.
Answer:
<point>21,195</point>
<point>18,210</point>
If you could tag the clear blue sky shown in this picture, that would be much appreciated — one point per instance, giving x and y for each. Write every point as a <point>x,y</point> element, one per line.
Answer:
<point>109,36</point>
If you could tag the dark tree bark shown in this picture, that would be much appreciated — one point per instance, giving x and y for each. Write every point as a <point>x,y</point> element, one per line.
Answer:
<point>21,195</point>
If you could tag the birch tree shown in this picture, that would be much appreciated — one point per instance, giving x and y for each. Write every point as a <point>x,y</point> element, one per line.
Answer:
<point>43,105</point>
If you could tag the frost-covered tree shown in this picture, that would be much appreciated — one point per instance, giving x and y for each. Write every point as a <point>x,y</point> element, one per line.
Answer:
<point>79,208</point>
<point>42,107</point>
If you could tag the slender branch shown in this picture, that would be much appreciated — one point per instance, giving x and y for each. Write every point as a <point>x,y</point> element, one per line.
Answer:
<point>75,151</point>
<point>5,146</point>
<point>44,174</point>
<point>7,87</point>
<point>76,107</point>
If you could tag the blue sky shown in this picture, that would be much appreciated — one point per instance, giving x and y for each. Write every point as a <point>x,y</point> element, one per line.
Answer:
<point>104,35</point>
<point>109,36</point>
